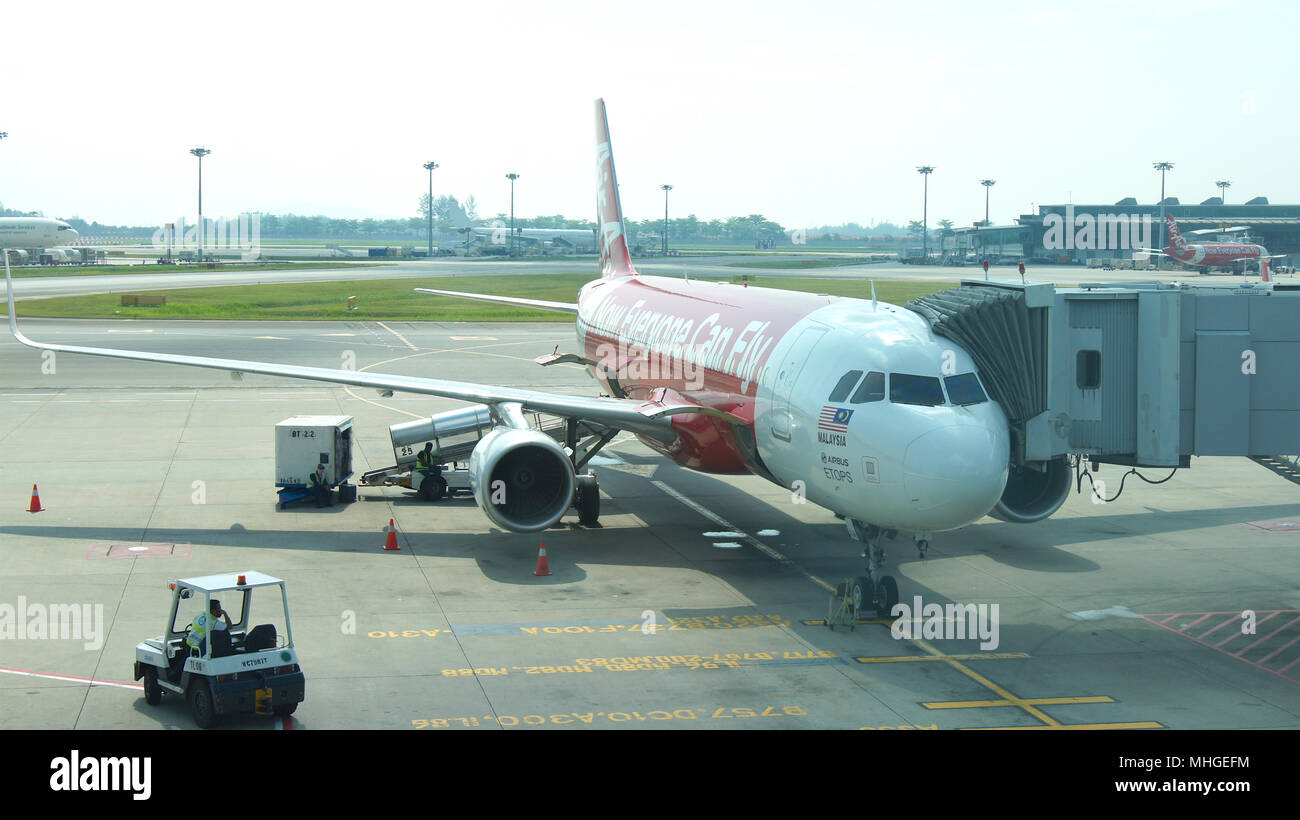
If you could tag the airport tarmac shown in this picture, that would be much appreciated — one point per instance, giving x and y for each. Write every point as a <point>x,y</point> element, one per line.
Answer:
<point>699,604</point>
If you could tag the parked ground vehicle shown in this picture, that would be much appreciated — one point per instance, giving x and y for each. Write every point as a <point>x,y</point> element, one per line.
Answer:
<point>236,669</point>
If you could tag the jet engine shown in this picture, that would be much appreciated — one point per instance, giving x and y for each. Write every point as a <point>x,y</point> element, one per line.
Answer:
<point>1032,495</point>
<point>522,479</point>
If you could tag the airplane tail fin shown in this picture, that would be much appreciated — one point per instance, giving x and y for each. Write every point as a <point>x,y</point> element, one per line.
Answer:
<point>1175,236</point>
<point>615,260</point>
<point>1265,271</point>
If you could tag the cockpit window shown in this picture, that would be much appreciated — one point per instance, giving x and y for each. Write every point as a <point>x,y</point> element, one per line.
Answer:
<point>871,389</point>
<point>964,389</point>
<point>905,388</point>
<point>844,385</point>
<point>65,227</point>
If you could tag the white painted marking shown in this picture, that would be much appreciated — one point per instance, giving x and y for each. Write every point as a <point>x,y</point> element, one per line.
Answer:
<point>69,679</point>
<point>719,520</point>
<point>475,339</point>
<point>724,535</point>
<point>727,545</point>
<point>1098,614</point>
<point>336,334</point>
<point>398,335</point>
<point>130,331</point>
<point>769,533</point>
<point>277,338</point>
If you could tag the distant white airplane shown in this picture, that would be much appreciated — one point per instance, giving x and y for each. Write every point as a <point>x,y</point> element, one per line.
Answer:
<point>578,238</point>
<point>34,232</point>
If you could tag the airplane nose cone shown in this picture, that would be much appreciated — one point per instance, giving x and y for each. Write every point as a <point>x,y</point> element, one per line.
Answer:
<point>955,474</point>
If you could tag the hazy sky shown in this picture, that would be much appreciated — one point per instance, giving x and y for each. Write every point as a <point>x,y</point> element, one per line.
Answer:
<point>807,112</point>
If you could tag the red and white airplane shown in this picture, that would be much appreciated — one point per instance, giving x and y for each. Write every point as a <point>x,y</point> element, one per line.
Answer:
<point>856,406</point>
<point>1213,254</point>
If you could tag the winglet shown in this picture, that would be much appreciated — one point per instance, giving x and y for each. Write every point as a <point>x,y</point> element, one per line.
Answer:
<point>615,260</point>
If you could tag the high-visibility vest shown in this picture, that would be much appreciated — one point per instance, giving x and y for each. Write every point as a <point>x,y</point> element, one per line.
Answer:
<point>424,460</point>
<point>315,481</point>
<point>199,629</point>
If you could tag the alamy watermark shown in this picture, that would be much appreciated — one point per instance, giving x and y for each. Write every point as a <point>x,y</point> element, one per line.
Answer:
<point>947,622</point>
<point>53,622</point>
<point>243,234</point>
<point>1100,232</point>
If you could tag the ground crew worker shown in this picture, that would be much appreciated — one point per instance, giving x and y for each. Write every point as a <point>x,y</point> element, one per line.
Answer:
<point>203,624</point>
<point>320,487</point>
<point>424,461</point>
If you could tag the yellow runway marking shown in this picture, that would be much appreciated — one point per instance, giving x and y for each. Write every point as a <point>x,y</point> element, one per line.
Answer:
<point>973,656</point>
<point>980,704</point>
<point>1145,724</point>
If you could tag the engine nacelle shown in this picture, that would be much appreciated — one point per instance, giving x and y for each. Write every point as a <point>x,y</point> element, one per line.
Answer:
<point>522,479</point>
<point>1032,495</point>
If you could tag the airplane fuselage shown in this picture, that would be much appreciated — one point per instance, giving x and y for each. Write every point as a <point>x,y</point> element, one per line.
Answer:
<point>892,445</point>
<point>1216,255</point>
<point>34,232</point>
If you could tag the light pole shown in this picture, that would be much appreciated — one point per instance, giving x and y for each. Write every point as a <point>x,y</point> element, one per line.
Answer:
<point>512,178</point>
<point>200,153</point>
<point>1223,185</point>
<point>925,171</point>
<point>987,183</point>
<point>429,166</point>
<point>1162,167</point>
<point>666,189</point>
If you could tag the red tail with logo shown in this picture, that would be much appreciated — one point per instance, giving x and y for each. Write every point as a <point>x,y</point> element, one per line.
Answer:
<point>614,257</point>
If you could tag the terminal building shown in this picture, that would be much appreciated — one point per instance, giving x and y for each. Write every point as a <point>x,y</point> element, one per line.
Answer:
<point>1074,233</point>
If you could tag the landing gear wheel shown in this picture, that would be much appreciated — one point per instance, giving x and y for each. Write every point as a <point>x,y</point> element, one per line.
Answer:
<point>863,593</point>
<point>589,504</point>
<point>286,710</point>
<point>886,597</point>
<point>152,691</point>
<point>205,714</point>
<point>433,488</point>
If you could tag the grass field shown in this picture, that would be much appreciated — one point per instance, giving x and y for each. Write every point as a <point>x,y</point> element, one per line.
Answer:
<point>800,264</point>
<point>394,299</point>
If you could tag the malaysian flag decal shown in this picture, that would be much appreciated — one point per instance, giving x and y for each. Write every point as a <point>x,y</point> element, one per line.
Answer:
<point>834,419</point>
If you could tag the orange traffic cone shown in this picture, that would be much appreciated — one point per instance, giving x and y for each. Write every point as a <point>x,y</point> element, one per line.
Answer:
<point>542,567</point>
<point>36,502</point>
<point>391,543</point>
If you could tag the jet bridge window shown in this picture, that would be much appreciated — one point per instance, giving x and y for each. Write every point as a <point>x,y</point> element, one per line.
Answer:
<point>905,388</point>
<point>844,385</point>
<point>1087,369</point>
<point>871,389</point>
<point>964,389</point>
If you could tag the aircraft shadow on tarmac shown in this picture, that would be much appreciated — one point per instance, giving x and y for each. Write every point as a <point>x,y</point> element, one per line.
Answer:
<point>822,549</point>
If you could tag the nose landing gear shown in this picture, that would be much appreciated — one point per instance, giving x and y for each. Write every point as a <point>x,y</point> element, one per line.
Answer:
<point>884,589</point>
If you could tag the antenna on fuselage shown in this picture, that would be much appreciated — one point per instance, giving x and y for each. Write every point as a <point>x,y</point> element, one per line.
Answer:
<point>873,295</point>
<point>685,276</point>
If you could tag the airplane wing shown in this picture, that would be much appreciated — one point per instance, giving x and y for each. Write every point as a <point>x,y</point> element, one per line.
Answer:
<point>539,304</point>
<point>1202,231</point>
<point>651,418</point>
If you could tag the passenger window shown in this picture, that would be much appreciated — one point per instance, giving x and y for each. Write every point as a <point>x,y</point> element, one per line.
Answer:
<point>871,389</point>
<point>964,389</point>
<point>905,388</point>
<point>844,385</point>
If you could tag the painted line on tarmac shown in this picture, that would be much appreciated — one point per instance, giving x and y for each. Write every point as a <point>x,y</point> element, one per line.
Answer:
<point>70,678</point>
<point>727,525</point>
<point>403,339</point>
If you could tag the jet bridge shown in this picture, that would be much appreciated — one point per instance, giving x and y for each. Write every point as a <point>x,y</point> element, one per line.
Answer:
<point>1137,374</point>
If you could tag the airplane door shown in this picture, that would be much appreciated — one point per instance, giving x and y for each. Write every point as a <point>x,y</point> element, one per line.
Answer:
<point>790,367</point>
